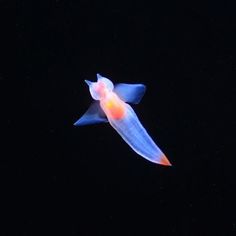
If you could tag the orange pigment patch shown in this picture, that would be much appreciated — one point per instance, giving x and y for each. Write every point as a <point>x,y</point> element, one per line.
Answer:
<point>116,110</point>
<point>164,161</point>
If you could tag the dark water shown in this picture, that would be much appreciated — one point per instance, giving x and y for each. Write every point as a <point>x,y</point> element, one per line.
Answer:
<point>65,180</point>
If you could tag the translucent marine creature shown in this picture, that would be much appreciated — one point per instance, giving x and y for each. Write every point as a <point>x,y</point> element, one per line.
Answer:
<point>111,106</point>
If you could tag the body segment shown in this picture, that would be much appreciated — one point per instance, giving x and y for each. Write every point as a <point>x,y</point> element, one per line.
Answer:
<point>135,135</point>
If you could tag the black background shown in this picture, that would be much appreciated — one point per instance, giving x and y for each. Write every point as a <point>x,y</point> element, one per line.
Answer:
<point>66,180</point>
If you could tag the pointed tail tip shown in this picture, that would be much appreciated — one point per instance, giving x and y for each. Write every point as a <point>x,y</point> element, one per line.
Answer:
<point>164,161</point>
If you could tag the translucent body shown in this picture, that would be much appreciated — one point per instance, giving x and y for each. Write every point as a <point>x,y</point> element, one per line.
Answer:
<point>135,135</point>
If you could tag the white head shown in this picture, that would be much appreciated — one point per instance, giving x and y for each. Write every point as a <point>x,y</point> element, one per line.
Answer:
<point>101,88</point>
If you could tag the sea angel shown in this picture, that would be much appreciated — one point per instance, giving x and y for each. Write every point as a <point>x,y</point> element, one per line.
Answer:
<point>111,106</point>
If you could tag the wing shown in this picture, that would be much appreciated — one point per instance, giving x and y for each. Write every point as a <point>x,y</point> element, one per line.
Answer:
<point>134,134</point>
<point>131,93</point>
<point>92,116</point>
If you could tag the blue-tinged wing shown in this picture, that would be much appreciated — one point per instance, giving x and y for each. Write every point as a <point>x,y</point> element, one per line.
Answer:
<point>131,93</point>
<point>92,116</point>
